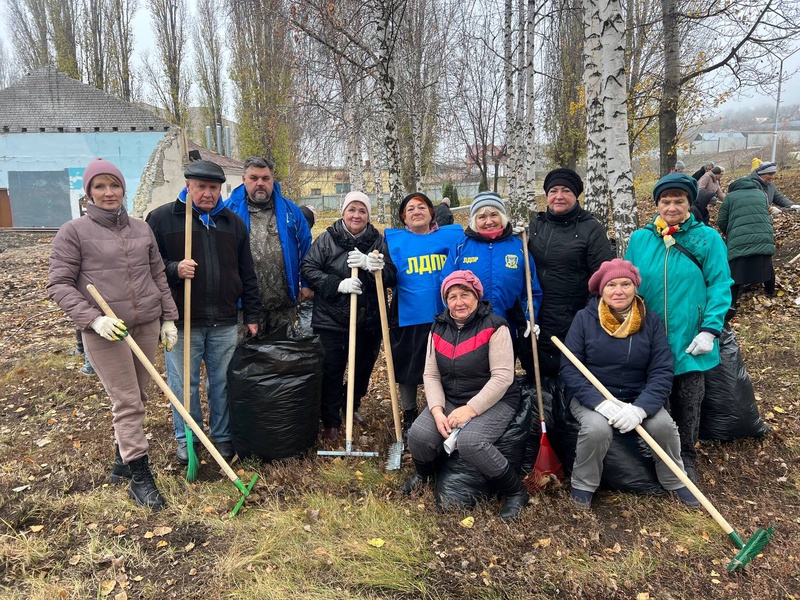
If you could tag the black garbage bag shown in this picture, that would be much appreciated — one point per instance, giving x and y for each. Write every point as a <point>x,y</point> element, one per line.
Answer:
<point>729,409</point>
<point>274,388</point>
<point>629,464</point>
<point>458,483</point>
<point>548,404</point>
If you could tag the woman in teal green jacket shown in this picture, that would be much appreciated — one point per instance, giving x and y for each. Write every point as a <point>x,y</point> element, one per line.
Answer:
<point>686,280</point>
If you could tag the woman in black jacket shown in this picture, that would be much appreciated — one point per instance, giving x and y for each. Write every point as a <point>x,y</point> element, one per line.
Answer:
<point>348,243</point>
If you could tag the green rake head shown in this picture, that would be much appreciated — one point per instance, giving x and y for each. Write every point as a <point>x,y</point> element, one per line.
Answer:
<point>194,463</point>
<point>751,549</point>
<point>245,490</point>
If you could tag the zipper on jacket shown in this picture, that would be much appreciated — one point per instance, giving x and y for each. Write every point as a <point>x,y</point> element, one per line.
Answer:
<point>666,320</point>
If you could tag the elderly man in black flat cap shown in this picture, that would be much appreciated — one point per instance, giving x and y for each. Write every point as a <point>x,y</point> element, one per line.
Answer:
<point>221,270</point>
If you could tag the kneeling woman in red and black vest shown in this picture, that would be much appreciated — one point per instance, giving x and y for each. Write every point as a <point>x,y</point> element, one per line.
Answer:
<point>469,384</point>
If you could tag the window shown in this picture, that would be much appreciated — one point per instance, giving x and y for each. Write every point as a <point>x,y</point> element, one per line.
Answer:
<point>342,188</point>
<point>316,191</point>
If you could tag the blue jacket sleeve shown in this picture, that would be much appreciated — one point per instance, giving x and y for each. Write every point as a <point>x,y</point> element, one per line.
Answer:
<point>660,370</point>
<point>577,385</point>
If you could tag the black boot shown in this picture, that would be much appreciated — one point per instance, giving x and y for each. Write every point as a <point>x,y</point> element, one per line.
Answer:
<point>143,489</point>
<point>120,471</point>
<point>423,475</point>
<point>409,416</point>
<point>516,497</point>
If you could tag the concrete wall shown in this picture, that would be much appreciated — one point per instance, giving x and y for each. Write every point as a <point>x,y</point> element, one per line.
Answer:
<point>43,171</point>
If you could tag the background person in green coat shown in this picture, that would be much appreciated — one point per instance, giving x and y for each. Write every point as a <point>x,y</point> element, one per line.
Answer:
<point>690,291</point>
<point>745,222</point>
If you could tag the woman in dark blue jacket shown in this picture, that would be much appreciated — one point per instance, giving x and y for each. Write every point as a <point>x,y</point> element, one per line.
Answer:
<point>490,249</point>
<point>626,348</point>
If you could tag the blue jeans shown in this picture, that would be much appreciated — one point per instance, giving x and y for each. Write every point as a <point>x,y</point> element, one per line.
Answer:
<point>214,346</point>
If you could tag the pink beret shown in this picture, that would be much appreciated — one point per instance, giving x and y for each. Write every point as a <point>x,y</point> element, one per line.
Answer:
<point>613,269</point>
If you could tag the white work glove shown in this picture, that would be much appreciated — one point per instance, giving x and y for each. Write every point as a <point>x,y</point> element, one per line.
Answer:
<point>703,343</point>
<point>518,229</point>
<point>628,417</point>
<point>356,258</point>
<point>351,285</point>
<point>795,207</point>
<point>111,329</point>
<point>527,333</point>
<point>608,409</point>
<point>375,262</point>
<point>774,210</point>
<point>169,335</point>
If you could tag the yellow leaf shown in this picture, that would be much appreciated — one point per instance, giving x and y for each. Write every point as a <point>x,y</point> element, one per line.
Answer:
<point>467,522</point>
<point>36,528</point>
<point>377,542</point>
<point>643,596</point>
<point>188,547</point>
<point>148,535</point>
<point>159,531</point>
<point>544,542</point>
<point>715,581</point>
<point>107,586</point>
<point>119,529</point>
<point>137,578</point>
<point>778,409</point>
<point>161,544</point>
<point>714,573</point>
<point>74,560</point>
<point>123,595</point>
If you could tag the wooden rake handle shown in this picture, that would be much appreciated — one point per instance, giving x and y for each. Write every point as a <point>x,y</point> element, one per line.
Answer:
<point>387,350</point>
<point>351,360</point>
<point>647,438</point>
<point>187,308</point>
<point>167,391</point>
<point>529,286</point>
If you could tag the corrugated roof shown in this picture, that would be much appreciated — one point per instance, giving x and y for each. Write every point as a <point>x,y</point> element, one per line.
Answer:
<point>219,159</point>
<point>47,100</point>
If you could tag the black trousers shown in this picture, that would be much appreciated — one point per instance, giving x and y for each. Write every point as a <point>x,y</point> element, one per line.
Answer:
<point>687,395</point>
<point>368,344</point>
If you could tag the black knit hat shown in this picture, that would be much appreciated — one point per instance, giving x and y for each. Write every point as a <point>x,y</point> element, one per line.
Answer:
<point>566,177</point>
<point>204,170</point>
<point>409,198</point>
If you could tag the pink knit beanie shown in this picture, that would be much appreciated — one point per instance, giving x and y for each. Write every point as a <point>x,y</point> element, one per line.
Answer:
<point>466,278</point>
<point>613,269</point>
<point>357,197</point>
<point>100,166</point>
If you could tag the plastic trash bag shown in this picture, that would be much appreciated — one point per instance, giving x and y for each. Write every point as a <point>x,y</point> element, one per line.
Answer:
<point>458,483</point>
<point>274,388</point>
<point>729,410</point>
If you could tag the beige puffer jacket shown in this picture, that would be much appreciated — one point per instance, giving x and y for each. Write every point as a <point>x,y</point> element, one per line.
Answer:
<point>119,256</point>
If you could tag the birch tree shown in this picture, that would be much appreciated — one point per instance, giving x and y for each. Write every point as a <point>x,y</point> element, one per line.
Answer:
<point>596,190</point>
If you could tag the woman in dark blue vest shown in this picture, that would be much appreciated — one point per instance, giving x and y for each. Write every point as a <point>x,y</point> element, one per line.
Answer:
<point>470,387</point>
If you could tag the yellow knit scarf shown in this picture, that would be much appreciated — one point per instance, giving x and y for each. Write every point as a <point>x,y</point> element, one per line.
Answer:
<point>622,329</point>
<point>666,231</point>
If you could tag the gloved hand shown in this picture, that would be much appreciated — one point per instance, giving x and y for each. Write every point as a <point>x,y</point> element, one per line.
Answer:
<point>628,417</point>
<point>795,207</point>
<point>356,258</point>
<point>111,329</point>
<point>608,409</point>
<point>169,335</point>
<point>351,285</point>
<point>518,229</point>
<point>774,210</point>
<point>375,262</point>
<point>703,343</point>
<point>527,333</point>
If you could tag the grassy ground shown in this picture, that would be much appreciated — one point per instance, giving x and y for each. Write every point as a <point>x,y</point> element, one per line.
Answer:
<point>335,528</point>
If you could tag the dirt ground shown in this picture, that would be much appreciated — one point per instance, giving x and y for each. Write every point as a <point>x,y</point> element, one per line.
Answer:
<point>56,450</point>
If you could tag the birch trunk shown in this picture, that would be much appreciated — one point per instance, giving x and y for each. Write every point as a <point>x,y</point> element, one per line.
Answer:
<point>376,163</point>
<point>615,110</point>
<point>596,198</point>
<point>508,71</point>
<point>530,121</point>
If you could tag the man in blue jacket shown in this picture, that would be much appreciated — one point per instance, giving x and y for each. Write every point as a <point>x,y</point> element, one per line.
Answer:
<point>279,240</point>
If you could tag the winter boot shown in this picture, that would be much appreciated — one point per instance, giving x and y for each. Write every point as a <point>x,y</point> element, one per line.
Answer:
<point>120,471</point>
<point>423,475</point>
<point>516,497</point>
<point>143,489</point>
<point>409,416</point>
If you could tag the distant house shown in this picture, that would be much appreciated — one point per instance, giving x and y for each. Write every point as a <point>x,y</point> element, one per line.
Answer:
<point>51,126</point>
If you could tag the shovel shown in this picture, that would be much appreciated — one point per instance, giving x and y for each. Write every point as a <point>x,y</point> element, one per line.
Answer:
<point>193,465</point>
<point>351,382</point>
<point>395,453</point>
<point>547,462</point>
<point>747,551</point>
<point>244,489</point>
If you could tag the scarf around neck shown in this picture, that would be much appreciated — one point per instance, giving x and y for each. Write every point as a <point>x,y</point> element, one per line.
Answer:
<point>206,218</point>
<point>628,326</point>
<point>666,231</point>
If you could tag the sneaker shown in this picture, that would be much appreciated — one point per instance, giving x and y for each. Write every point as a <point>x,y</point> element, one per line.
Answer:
<point>182,453</point>
<point>581,498</point>
<point>329,434</point>
<point>88,370</point>
<point>226,450</point>
<point>687,497</point>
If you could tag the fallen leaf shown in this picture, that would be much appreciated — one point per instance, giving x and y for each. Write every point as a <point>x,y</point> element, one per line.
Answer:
<point>42,442</point>
<point>36,528</point>
<point>119,529</point>
<point>74,560</point>
<point>320,550</point>
<point>377,542</point>
<point>544,542</point>
<point>137,578</point>
<point>20,488</point>
<point>778,409</point>
<point>307,528</point>
<point>148,535</point>
<point>467,522</point>
<point>161,544</point>
<point>123,595</point>
<point>188,547</point>
<point>159,531</point>
<point>107,586</point>
<point>192,571</point>
<point>643,596</point>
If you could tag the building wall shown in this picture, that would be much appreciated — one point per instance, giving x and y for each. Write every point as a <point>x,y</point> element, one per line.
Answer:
<point>43,171</point>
